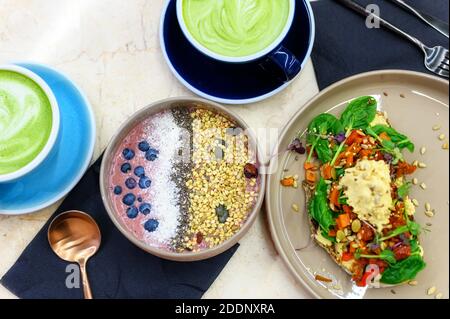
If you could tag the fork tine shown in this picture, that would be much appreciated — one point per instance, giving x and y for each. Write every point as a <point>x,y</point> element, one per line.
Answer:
<point>442,72</point>
<point>444,66</point>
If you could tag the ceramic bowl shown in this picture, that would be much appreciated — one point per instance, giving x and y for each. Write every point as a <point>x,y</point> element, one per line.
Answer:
<point>112,149</point>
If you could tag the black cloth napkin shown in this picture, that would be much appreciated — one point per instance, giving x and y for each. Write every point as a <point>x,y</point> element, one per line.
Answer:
<point>344,46</point>
<point>118,270</point>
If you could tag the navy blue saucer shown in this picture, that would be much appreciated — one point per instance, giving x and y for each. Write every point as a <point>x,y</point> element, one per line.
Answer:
<point>224,82</point>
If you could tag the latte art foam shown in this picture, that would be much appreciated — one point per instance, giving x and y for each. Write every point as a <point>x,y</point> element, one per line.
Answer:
<point>25,121</point>
<point>236,28</point>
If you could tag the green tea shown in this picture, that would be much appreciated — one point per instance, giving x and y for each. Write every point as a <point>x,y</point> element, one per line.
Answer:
<point>235,28</point>
<point>25,121</point>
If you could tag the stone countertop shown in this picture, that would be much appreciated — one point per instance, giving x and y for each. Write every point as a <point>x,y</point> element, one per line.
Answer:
<point>110,48</point>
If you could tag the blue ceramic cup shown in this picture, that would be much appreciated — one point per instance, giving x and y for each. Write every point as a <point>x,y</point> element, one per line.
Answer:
<point>275,58</point>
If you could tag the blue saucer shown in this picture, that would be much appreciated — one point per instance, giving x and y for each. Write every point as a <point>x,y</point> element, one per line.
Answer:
<point>224,82</point>
<point>68,160</point>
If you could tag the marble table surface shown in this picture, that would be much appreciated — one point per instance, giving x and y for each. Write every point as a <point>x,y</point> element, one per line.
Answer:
<point>111,49</point>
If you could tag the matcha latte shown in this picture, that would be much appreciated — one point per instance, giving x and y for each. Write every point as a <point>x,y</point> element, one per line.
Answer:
<point>26,120</point>
<point>236,28</point>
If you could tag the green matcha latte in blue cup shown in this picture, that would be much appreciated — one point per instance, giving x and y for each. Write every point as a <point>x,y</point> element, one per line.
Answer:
<point>29,121</point>
<point>241,31</point>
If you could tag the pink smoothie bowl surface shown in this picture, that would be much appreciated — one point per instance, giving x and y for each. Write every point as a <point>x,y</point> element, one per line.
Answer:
<point>141,127</point>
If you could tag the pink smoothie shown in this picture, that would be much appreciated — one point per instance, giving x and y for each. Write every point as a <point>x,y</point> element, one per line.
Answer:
<point>158,131</point>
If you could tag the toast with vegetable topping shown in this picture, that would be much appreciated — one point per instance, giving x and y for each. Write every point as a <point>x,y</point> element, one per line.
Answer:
<point>357,196</point>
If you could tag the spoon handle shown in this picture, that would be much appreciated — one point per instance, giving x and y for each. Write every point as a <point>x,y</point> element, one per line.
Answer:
<point>84,277</point>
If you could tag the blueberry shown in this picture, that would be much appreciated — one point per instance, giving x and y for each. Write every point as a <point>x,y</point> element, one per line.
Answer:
<point>143,146</point>
<point>132,212</point>
<point>144,182</point>
<point>125,168</point>
<point>128,199</point>
<point>139,171</point>
<point>130,183</point>
<point>128,154</point>
<point>145,208</point>
<point>151,225</point>
<point>151,154</point>
<point>139,199</point>
<point>117,190</point>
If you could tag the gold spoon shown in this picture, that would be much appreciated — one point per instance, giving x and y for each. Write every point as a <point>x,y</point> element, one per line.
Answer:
<point>75,237</point>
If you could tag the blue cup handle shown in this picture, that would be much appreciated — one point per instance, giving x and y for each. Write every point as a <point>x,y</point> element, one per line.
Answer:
<point>282,64</point>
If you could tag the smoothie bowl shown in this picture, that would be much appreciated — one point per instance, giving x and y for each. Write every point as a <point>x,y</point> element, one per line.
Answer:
<point>29,121</point>
<point>181,179</point>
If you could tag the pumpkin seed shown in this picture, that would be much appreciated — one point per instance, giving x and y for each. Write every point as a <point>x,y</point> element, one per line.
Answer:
<point>356,225</point>
<point>340,235</point>
<point>423,149</point>
<point>431,291</point>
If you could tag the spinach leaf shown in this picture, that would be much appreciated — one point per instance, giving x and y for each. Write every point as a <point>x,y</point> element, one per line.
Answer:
<point>343,200</point>
<point>337,127</point>
<point>318,207</point>
<point>317,136</point>
<point>325,123</point>
<point>339,172</point>
<point>403,190</point>
<point>404,270</point>
<point>415,248</point>
<point>359,113</point>
<point>325,234</point>
<point>389,146</point>
<point>386,255</point>
<point>323,150</point>
<point>412,227</point>
<point>397,139</point>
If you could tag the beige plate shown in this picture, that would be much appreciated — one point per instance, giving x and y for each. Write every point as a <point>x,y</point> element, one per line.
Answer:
<point>414,102</point>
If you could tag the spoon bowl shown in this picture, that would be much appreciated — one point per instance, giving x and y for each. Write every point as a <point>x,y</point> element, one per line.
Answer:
<point>75,237</point>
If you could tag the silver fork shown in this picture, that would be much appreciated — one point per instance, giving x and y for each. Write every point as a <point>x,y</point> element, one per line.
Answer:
<point>436,58</point>
<point>434,22</point>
